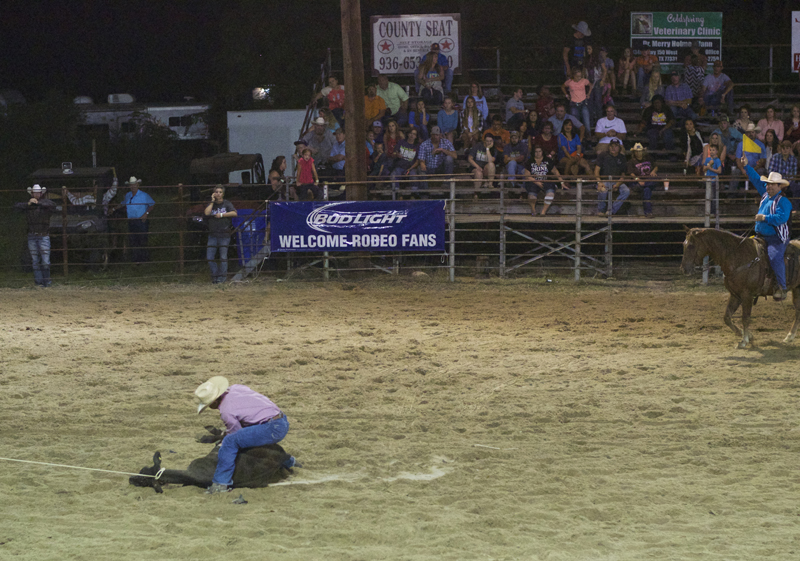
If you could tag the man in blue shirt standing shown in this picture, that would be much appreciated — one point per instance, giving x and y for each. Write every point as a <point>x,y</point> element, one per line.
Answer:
<point>772,222</point>
<point>138,206</point>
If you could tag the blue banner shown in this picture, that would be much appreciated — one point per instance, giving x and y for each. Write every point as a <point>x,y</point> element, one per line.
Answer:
<point>357,226</point>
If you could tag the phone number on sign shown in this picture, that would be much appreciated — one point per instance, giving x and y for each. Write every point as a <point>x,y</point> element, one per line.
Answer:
<point>395,63</point>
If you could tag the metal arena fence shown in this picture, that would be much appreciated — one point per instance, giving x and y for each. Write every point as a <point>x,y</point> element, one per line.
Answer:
<point>491,233</point>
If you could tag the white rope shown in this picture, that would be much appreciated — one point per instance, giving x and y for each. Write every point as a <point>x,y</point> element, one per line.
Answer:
<point>156,476</point>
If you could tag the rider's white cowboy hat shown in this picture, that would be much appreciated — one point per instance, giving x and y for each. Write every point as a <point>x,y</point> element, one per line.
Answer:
<point>583,28</point>
<point>210,391</point>
<point>133,180</point>
<point>36,189</point>
<point>752,128</point>
<point>775,177</point>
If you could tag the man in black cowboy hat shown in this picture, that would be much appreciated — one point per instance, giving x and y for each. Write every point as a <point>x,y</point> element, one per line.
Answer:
<point>574,54</point>
<point>38,211</point>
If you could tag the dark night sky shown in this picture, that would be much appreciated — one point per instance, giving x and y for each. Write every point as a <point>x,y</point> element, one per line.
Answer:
<point>162,50</point>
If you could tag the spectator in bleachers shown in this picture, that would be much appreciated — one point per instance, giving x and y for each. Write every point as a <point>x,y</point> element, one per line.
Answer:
<point>771,143</point>
<point>547,141</point>
<point>377,131</point>
<point>515,153</point>
<point>430,75</point>
<point>644,68</point>
<point>791,128</point>
<point>446,72</point>
<point>276,178</point>
<point>307,181</point>
<point>730,138</point>
<point>574,89</point>
<point>609,127</point>
<point>38,210</point>
<point>220,212</point>
<point>483,159</point>
<point>334,94</point>
<point>722,151</point>
<point>657,122</point>
<point>755,152</point>
<point>770,123</point>
<point>717,90</point>
<point>545,105</point>
<point>391,138</point>
<point>561,115</point>
<point>541,168</point>
<point>374,107</point>
<point>625,71</point>
<point>643,169</point>
<point>534,124</point>
<point>596,73</point>
<point>679,98</point>
<point>515,110</point>
<point>574,53</point>
<point>436,155</point>
<point>785,163</point>
<point>711,164</point>
<point>380,164</point>
<point>476,93</point>
<point>694,76</point>
<point>419,118</point>
<point>744,120</point>
<point>611,75</point>
<point>702,59</point>
<point>319,141</point>
<point>498,132</point>
<point>447,119</point>
<point>405,159</point>
<point>396,99</point>
<point>471,123</point>
<point>570,152</point>
<point>611,165</point>
<point>653,87</point>
<point>691,144</point>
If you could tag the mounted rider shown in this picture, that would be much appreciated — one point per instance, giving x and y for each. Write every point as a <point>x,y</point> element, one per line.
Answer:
<point>772,222</point>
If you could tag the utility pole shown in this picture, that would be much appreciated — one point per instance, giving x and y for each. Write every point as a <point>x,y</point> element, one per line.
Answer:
<point>355,126</point>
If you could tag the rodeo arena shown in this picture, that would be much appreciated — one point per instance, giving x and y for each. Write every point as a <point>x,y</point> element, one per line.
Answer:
<point>549,319</point>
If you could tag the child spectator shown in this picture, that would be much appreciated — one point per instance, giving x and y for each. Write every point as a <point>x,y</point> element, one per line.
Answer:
<point>575,90</point>
<point>447,119</point>
<point>307,178</point>
<point>334,94</point>
<point>712,166</point>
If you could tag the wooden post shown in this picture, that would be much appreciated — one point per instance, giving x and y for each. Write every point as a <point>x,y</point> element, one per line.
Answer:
<point>64,224</point>
<point>356,131</point>
<point>181,228</point>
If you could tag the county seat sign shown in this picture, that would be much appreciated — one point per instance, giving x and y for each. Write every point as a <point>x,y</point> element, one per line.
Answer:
<point>398,42</point>
<point>357,226</point>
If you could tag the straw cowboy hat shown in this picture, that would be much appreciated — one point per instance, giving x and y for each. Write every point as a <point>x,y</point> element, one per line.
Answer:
<point>37,189</point>
<point>751,127</point>
<point>210,391</point>
<point>583,28</point>
<point>133,180</point>
<point>775,177</point>
<point>638,146</point>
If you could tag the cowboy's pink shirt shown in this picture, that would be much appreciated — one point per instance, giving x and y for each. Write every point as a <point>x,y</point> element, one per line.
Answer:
<point>242,406</point>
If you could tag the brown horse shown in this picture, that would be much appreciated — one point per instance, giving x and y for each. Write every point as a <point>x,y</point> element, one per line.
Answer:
<point>746,266</point>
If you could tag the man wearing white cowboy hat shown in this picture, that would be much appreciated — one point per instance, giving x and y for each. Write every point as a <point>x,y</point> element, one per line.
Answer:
<point>751,148</point>
<point>574,53</point>
<point>251,419</point>
<point>138,206</point>
<point>772,222</point>
<point>38,211</point>
<point>320,141</point>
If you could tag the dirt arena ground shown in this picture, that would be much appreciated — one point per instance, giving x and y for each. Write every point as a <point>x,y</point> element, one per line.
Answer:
<point>513,420</point>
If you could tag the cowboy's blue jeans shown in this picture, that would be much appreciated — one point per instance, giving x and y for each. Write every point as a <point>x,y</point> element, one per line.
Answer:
<point>247,437</point>
<point>775,251</point>
<point>602,198</point>
<point>39,248</point>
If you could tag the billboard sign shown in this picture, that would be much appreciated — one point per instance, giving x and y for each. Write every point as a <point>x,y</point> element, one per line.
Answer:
<point>398,42</point>
<point>669,36</point>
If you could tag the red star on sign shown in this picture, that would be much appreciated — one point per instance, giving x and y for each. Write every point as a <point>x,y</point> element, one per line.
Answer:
<point>385,46</point>
<point>447,45</point>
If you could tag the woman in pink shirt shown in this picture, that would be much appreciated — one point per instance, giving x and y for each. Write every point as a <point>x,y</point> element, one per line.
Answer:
<point>578,96</point>
<point>770,122</point>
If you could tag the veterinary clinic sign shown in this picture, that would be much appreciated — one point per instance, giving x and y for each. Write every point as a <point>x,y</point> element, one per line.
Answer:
<point>795,41</point>
<point>669,35</point>
<point>398,42</point>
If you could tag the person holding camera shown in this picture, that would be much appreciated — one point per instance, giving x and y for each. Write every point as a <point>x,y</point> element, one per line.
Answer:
<point>220,211</point>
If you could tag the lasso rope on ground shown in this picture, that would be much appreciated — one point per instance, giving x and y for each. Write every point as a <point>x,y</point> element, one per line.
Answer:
<point>156,476</point>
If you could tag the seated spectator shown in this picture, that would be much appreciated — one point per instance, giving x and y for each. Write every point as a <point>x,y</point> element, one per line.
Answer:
<point>377,131</point>
<point>391,138</point>
<point>418,119</point>
<point>337,158</point>
<point>730,138</point>
<point>436,155</point>
<point>515,153</point>
<point>430,75</point>
<point>643,170</point>
<point>330,120</point>
<point>625,71</point>
<point>476,93</point>
<point>447,119</point>
<point>613,166</point>
<point>722,151</point>
<point>545,105</point>
<point>498,131</point>
<point>536,180</point>
<point>570,152</point>
<point>653,87</point>
<point>547,141</point>
<point>611,77</point>
<point>785,163</point>
<point>405,160</point>
<point>370,145</point>
<point>694,75</point>
<point>482,157</point>
<point>702,60</point>
<point>791,129</point>
<point>644,68</point>
<point>523,133</point>
<point>471,123</point>
<point>691,143</point>
<point>396,100</point>
<point>596,73</point>
<point>657,122</point>
<point>679,98</point>
<point>770,123</point>
<point>446,72</point>
<point>609,127</point>
<point>717,90</point>
<point>277,179</point>
<point>307,187</point>
<point>334,94</point>
<point>744,121</point>
<point>771,143</point>
<point>380,165</point>
<point>574,89</point>
<point>557,120</point>
<point>533,122</point>
<point>515,110</point>
<point>755,152</point>
<point>374,107</point>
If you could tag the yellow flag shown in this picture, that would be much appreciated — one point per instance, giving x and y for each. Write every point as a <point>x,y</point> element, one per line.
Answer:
<point>749,145</point>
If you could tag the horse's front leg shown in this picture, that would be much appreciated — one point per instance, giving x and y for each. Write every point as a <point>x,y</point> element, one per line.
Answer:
<point>733,305</point>
<point>796,303</point>
<point>747,336</point>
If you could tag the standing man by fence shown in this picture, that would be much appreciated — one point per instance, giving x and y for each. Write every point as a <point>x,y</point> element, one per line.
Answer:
<point>138,206</point>
<point>38,211</point>
<point>220,212</point>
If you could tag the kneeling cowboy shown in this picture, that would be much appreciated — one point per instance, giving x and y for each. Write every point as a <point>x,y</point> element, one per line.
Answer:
<point>772,222</point>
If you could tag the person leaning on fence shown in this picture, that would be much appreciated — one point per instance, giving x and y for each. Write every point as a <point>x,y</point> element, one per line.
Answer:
<point>138,206</point>
<point>772,222</point>
<point>220,212</point>
<point>38,210</point>
<point>611,164</point>
<point>643,170</point>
